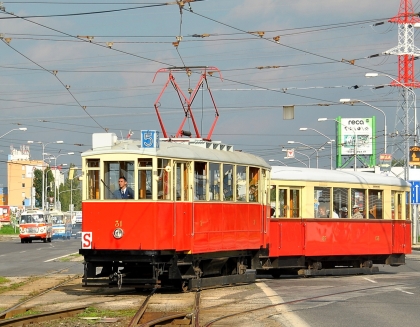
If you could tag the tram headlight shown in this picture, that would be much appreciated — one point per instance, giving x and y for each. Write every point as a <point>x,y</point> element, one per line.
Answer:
<point>118,233</point>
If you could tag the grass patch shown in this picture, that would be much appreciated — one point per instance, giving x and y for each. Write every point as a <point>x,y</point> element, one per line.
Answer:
<point>14,286</point>
<point>95,312</point>
<point>70,257</point>
<point>4,280</point>
<point>27,313</point>
<point>9,230</point>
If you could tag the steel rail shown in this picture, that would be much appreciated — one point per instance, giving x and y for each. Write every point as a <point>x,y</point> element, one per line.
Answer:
<point>196,311</point>
<point>3,314</point>
<point>135,320</point>
<point>42,317</point>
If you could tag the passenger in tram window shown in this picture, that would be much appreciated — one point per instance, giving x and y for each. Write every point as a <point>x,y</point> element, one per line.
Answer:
<point>372,211</point>
<point>343,212</point>
<point>335,213</point>
<point>356,212</point>
<point>272,212</point>
<point>124,192</point>
<point>253,194</point>
<point>322,211</point>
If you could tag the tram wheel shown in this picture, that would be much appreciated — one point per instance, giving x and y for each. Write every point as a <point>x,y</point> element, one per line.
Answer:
<point>49,239</point>
<point>44,240</point>
<point>30,241</point>
<point>22,240</point>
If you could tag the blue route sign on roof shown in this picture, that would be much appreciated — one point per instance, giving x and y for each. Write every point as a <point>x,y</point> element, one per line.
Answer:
<point>415,192</point>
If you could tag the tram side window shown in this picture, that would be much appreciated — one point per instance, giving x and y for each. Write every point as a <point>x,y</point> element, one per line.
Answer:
<point>164,172</point>
<point>93,180</point>
<point>283,203</point>
<point>113,171</point>
<point>253,184</point>
<point>407,206</point>
<point>93,185</point>
<point>145,178</point>
<point>358,204</point>
<point>240,183</point>
<point>375,204</point>
<point>340,202</point>
<point>322,202</point>
<point>294,203</point>
<point>200,180</point>
<point>227,182</point>
<point>214,173</point>
<point>181,184</point>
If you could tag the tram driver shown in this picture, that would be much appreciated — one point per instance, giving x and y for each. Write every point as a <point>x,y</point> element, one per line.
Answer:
<point>124,192</point>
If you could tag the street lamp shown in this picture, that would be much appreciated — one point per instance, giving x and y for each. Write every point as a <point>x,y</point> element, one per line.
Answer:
<point>272,160</point>
<point>71,188</point>
<point>43,173</point>
<point>55,167</point>
<point>330,141</point>
<point>293,142</point>
<point>355,140</point>
<point>309,158</point>
<point>14,129</point>
<point>407,145</point>
<point>352,101</point>
<point>297,160</point>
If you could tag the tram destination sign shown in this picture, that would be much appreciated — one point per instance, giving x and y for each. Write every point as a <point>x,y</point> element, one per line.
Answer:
<point>150,139</point>
<point>414,155</point>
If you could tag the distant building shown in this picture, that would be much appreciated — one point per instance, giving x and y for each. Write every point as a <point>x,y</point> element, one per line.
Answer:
<point>20,173</point>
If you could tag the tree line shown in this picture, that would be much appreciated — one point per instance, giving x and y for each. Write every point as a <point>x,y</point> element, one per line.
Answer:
<point>69,191</point>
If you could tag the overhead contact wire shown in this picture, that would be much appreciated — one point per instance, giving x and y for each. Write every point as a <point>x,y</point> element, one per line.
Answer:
<point>55,74</point>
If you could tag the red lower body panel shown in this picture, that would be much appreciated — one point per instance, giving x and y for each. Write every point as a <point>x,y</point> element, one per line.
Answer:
<point>315,237</point>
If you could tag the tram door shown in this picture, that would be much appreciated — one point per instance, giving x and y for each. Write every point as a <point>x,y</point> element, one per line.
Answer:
<point>182,202</point>
<point>288,202</point>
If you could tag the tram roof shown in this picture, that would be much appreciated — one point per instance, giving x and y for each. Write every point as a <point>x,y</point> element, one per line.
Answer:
<point>325,175</point>
<point>182,150</point>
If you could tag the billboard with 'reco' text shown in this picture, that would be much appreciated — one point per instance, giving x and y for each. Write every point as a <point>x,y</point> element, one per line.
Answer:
<point>356,136</point>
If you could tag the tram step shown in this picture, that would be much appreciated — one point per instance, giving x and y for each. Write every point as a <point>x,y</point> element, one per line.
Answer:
<point>249,277</point>
<point>338,271</point>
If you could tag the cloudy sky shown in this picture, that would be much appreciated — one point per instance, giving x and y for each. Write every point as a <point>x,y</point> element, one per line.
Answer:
<point>64,87</point>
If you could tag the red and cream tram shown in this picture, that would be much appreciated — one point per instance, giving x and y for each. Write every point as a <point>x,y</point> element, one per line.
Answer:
<point>332,222</point>
<point>199,216</point>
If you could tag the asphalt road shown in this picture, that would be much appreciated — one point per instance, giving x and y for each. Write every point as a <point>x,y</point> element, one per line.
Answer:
<point>388,298</point>
<point>37,258</point>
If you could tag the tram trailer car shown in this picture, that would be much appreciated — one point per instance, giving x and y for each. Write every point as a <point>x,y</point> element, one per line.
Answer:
<point>199,216</point>
<point>335,222</point>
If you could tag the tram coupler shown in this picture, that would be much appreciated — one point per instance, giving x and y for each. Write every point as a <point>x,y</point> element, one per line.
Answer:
<point>116,277</point>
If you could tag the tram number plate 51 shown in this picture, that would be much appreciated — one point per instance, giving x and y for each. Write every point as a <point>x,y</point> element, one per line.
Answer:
<point>86,240</point>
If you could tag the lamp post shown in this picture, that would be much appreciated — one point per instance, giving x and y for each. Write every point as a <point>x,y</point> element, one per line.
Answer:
<point>309,158</point>
<point>43,173</point>
<point>407,145</point>
<point>15,129</point>
<point>55,177</point>
<point>352,101</point>
<point>293,142</point>
<point>355,140</point>
<point>297,160</point>
<point>272,160</point>
<point>71,174</point>
<point>330,141</point>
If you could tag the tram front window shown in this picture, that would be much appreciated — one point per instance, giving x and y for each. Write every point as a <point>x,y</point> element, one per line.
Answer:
<point>113,171</point>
